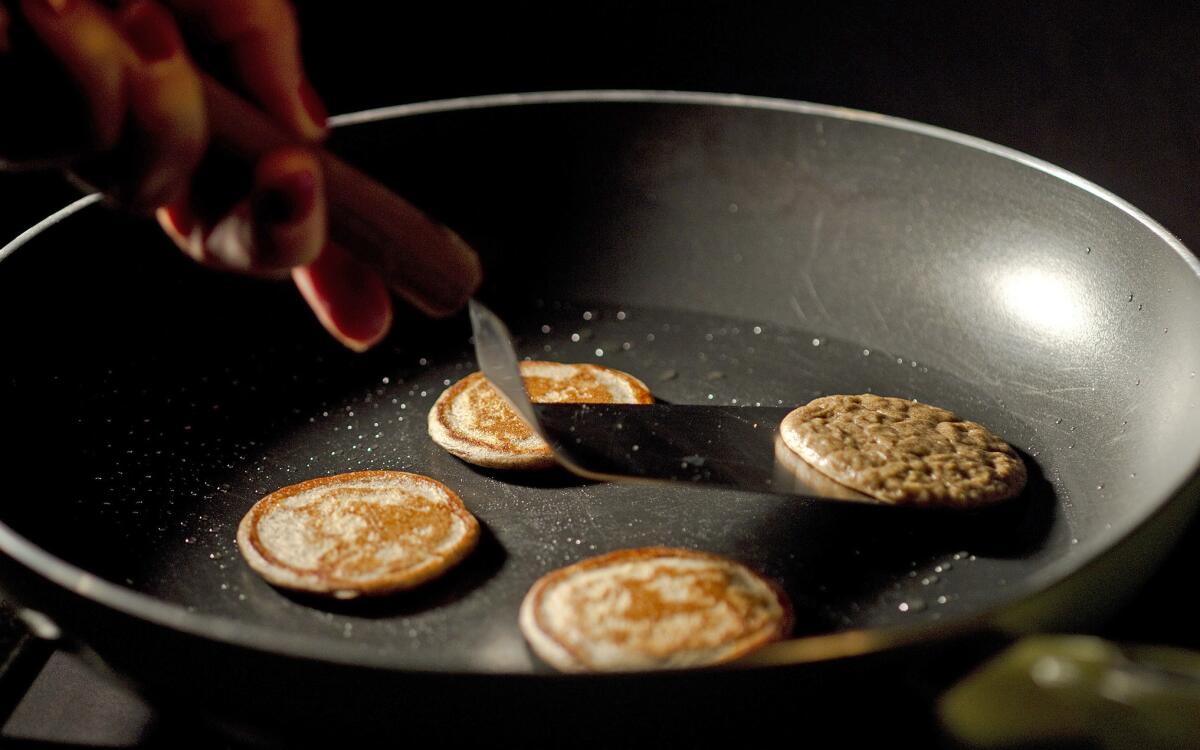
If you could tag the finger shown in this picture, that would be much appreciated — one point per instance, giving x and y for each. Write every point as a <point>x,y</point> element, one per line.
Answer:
<point>279,226</point>
<point>82,37</point>
<point>288,209</point>
<point>166,108</point>
<point>180,224</point>
<point>349,300</point>
<point>262,39</point>
<point>227,245</point>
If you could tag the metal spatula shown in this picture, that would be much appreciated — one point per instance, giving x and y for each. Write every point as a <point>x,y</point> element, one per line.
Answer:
<point>732,447</point>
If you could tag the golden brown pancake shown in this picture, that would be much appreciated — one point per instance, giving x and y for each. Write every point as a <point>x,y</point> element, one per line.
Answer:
<point>365,533</point>
<point>651,608</point>
<point>473,421</point>
<point>904,452</point>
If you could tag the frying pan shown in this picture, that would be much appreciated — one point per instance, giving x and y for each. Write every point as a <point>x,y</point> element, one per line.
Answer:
<point>721,248</point>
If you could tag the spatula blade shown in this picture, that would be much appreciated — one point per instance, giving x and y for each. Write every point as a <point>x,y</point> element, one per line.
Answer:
<point>730,447</point>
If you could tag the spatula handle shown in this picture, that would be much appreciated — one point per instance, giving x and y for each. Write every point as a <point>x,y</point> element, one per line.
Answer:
<point>421,260</point>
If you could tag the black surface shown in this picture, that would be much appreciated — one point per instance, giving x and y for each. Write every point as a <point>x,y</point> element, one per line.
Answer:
<point>174,441</point>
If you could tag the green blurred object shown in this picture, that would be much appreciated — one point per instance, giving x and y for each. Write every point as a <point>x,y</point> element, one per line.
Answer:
<point>1081,691</point>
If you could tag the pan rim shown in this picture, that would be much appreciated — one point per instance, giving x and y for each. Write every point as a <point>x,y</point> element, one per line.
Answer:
<point>822,647</point>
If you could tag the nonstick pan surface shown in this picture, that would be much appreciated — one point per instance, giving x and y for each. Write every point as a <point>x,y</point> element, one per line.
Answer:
<point>724,250</point>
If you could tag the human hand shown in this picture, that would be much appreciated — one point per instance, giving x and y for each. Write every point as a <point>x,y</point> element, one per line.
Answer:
<point>146,130</point>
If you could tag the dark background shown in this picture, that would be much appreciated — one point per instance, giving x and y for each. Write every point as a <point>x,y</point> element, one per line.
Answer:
<point>1111,93</point>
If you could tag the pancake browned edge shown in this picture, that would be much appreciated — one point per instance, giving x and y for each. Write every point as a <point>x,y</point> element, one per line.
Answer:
<point>651,608</point>
<point>904,452</point>
<point>364,533</point>
<point>473,421</point>
<point>811,480</point>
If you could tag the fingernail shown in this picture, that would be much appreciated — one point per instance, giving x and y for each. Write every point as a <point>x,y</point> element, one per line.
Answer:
<point>288,200</point>
<point>180,220</point>
<point>312,104</point>
<point>150,31</point>
<point>368,326</point>
<point>351,302</point>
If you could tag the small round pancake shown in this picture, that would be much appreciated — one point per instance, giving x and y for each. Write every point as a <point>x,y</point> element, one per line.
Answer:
<point>651,608</point>
<point>365,533</point>
<point>473,421</point>
<point>904,452</point>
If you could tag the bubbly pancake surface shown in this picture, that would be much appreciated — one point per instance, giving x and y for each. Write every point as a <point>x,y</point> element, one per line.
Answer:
<point>369,532</point>
<point>473,421</point>
<point>651,608</point>
<point>904,452</point>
